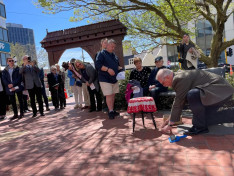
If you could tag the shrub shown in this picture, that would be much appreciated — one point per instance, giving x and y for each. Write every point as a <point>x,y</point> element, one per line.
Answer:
<point>230,79</point>
<point>120,101</point>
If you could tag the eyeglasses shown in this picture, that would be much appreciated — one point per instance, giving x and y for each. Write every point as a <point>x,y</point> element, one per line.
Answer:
<point>10,60</point>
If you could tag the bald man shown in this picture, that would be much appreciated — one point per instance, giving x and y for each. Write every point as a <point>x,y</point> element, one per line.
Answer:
<point>206,92</point>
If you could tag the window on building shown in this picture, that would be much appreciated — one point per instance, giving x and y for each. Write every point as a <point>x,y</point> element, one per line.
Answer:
<point>2,10</point>
<point>1,34</point>
<point>130,61</point>
<point>3,59</point>
<point>204,37</point>
<point>204,34</point>
<point>5,35</point>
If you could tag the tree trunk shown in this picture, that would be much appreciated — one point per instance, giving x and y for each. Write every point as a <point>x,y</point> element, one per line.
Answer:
<point>216,45</point>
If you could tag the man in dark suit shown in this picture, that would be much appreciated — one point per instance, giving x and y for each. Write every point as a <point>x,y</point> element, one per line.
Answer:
<point>205,92</point>
<point>4,99</point>
<point>12,80</point>
<point>155,87</point>
<point>56,88</point>
<point>43,91</point>
<point>32,84</point>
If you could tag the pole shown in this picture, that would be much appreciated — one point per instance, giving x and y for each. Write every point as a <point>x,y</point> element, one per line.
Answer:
<point>82,55</point>
<point>225,52</point>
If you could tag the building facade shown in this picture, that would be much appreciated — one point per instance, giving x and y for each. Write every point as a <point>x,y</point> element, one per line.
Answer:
<point>4,42</point>
<point>23,36</point>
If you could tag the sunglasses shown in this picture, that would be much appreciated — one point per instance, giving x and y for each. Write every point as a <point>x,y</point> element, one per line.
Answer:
<point>11,61</point>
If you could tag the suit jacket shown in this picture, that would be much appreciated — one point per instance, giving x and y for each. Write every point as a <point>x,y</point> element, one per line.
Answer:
<point>5,98</point>
<point>30,76</point>
<point>52,82</point>
<point>16,80</point>
<point>213,89</point>
<point>92,74</point>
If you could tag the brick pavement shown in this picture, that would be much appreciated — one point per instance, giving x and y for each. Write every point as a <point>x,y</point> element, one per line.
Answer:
<point>76,142</point>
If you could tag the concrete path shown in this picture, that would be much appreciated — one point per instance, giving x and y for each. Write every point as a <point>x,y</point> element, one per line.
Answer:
<point>76,142</point>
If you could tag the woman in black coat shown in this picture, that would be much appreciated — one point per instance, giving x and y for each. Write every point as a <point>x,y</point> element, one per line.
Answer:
<point>56,88</point>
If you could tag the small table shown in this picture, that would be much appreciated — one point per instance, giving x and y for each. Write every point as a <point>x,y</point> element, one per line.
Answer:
<point>143,105</point>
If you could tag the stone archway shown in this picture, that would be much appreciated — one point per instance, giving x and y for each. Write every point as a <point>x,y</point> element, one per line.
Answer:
<point>86,37</point>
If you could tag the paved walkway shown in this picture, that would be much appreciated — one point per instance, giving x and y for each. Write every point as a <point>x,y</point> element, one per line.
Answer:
<point>75,142</point>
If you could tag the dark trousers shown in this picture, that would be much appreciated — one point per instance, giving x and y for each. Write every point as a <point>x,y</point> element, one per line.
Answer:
<point>14,105</point>
<point>3,104</point>
<point>204,116</point>
<point>36,91</point>
<point>155,93</point>
<point>25,102</point>
<point>43,91</point>
<point>64,99</point>
<point>92,95</point>
<point>57,98</point>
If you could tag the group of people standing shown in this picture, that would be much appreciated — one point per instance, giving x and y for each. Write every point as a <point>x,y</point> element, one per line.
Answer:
<point>102,77</point>
<point>22,81</point>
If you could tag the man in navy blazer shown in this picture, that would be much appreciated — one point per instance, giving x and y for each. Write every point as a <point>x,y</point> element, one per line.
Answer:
<point>12,81</point>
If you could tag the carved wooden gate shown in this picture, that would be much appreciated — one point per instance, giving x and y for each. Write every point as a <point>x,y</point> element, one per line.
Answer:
<point>86,37</point>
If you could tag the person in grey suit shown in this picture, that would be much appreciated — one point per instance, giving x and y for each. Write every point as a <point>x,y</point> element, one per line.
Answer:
<point>205,92</point>
<point>32,84</point>
<point>90,77</point>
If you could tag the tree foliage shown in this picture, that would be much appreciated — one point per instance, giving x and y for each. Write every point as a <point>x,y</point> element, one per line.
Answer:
<point>42,58</point>
<point>18,51</point>
<point>153,20</point>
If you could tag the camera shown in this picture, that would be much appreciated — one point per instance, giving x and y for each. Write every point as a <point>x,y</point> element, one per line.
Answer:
<point>29,59</point>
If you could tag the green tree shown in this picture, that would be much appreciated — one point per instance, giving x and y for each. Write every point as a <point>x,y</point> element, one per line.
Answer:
<point>154,20</point>
<point>18,51</point>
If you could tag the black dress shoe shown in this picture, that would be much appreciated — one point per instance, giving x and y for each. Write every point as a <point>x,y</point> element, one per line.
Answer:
<point>42,114</point>
<point>99,110</point>
<point>92,110</point>
<point>47,109</point>
<point>21,116</point>
<point>111,115</point>
<point>116,113</point>
<point>2,118</point>
<point>195,131</point>
<point>14,117</point>
<point>34,115</point>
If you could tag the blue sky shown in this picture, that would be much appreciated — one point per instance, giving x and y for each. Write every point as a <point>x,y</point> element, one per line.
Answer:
<point>26,13</point>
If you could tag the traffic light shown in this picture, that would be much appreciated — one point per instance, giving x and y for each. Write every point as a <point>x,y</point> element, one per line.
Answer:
<point>230,52</point>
